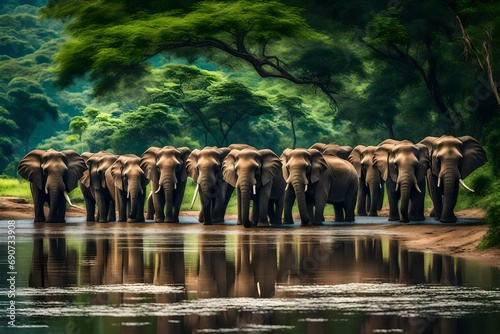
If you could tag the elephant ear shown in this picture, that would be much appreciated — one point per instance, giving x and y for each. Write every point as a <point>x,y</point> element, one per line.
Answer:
<point>474,156</point>
<point>30,168</point>
<point>191,162</point>
<point>344,152</point>
<point>381,161</point>
<point>228,168</point>
<point>76,167</point>
<point>148,164</point>
<point>223,151</point>
<point>271,165</point>
<point>85,180</point>
<point>284,161</point>
<point>319,146</point>
<point>185,152</point>
<point>355,158</point>
<point>424,162</point>
<point>318,165</point>
<point>115,170</point>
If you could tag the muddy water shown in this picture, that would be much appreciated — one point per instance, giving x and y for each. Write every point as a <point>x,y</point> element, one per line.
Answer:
<point>187,278</point>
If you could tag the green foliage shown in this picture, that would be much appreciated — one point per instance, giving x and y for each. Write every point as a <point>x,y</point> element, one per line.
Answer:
<point>15,187</point>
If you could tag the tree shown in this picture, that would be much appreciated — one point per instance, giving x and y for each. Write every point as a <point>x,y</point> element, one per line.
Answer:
<point>113,40</point>
<point>78,125</point>
<point>292,107</point>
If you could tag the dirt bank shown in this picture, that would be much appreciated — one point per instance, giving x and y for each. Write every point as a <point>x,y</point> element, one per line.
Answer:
<point>457,240</point>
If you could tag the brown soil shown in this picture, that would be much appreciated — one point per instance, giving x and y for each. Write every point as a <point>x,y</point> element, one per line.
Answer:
<point>458,240</point>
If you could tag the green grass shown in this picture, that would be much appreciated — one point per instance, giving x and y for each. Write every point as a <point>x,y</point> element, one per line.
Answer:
<point>15,187</point>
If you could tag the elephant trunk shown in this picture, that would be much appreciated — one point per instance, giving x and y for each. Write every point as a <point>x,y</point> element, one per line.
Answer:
<point>374,187</point>
<point>245,189</point>
<point>168,184</point>
<point>450,194</point>
<point>405,188</point>
<point>134,193</point>
<point>54,190</point>
<point>205,188</point>
<point>299,183</point>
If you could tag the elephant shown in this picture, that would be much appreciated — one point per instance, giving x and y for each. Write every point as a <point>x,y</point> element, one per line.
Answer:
<point>166,169</point>
<point>127,183</point>
<point>370,185</point>
<point>205,168</point>
<point>261,171</point>
<point>452,160</point>
<point>333,149</point>
<point>317,179</point>
<point>52,175</point>
<point>403,166</point>
<point>94,183</point>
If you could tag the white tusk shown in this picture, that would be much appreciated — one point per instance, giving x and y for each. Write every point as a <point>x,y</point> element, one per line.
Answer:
<point>287,185</point>
<point>380,185</point>
<point>194,196</point>
<point>305,188</point>
<point>258,289</point>
<point>66,196</point>
<point>439,181</point>
<point>418,188</point>
<point>175,185</point>
<point>46,190</point>
<point>142,191</point>
<point>158,190</point>
<point>397,186</point>
<point>254,189</point>
<point>128,193</point>
<point>465,186</point>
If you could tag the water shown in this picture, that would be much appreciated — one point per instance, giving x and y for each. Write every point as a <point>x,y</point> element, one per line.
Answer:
<point>187,278</point>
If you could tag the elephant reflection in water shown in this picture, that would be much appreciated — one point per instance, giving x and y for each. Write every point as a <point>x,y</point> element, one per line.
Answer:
<point>256,266</point>
<point>412,325</point>
<point>57,268</point>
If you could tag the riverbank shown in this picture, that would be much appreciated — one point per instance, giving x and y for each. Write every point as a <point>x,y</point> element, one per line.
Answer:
<point>451,239</point>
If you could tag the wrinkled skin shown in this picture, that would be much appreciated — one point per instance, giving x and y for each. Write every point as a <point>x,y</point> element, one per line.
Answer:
<point>127,183</point>
<point>166,169</point>
<point>205,168</point>
<point>257,176</point>
<point>403,166</point>
<point>95,182</point>
<point>452,160</point>
<point>370,185</point>
<point>52,175</point>
<point>314,180</point>
<point>333,149</point>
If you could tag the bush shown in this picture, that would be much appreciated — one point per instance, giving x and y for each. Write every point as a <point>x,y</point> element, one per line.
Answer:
<point>492,217</point>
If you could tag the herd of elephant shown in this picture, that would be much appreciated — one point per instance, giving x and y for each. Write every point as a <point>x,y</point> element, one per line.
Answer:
<point>323,174</point>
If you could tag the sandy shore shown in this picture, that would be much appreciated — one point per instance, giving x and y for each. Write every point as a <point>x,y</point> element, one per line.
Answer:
<point>458,240</point>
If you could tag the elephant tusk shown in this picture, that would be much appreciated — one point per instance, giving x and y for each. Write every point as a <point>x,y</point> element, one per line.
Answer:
<point>175,186</point>
<point>66,196</point>
<point>194,195</point>
<point>254,189</point>
<point>287,185</point>
<point>142,191</point>
<point>305,188</point>
<point>380,185</point>
<point>397,186</point>
<point>439,181</point>
<point>46,190</point>
<point>158,190</point>
<point>128,193</point>
<point>418,188</point>
<point>465,186</point>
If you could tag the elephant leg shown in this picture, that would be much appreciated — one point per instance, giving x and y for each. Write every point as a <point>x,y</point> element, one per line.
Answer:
<point>219,203</point>
<point>112,212</point>
<point>393,198</point>
<point>288,205</point>
<point>90,208</point>
<point>121,203</point>
<point>350,204</point>
<point>362,194</point>
<point>319,210</point>
<point>240,214</point>
<point>61,210</point>
<point>310,210</point>
<point>437,197</point>
<point>339,212</point>
<point>140,210</point>
<point>417,204</point>
<point>264,193</point>
<point>38,201</point>
<point>255,212</point>
<point>177,202</point>
<point>278,210</point>
<point>159,207</point>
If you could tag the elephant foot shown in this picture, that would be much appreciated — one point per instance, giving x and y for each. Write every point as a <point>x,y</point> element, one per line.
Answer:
<point>207,223</point>
<point>417,218</point>
<point>318,223</point>
<point>263,224</point>
<point>159,220</point>
<point>238,222</point>
<point>361,214</point>
<point>276,222</point>
<point>373,214</point>
<point>39,220</point>
<point>449,220</point>
<point>90,219</point>
<point>393,219</point>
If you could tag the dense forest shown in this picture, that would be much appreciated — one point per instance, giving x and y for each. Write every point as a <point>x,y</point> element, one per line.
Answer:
<point>125,75</point>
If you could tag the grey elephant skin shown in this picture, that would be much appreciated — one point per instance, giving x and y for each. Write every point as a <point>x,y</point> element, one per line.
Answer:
<point>257,176</point>
<point>370,185</point>
<point>52,175</point>
<point>166,169</point>
<point>127,183</point>
<point>452,160</point>
<point>205,168</point>
<point>403,166</point>
<point>315,179</point>
<point>341,151</point>
<point>94,188</point>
